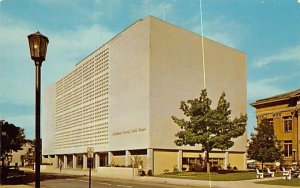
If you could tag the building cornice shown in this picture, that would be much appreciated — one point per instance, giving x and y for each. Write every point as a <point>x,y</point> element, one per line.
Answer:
<point>295,110</point>
<point>277,98</point>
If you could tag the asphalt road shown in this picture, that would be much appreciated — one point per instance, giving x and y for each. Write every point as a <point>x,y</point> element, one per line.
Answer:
<point>81,183</point>
<point>69,181</point>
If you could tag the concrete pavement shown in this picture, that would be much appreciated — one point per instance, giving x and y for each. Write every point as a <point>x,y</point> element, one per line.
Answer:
<point>192,183</point>
<point>15,186</point>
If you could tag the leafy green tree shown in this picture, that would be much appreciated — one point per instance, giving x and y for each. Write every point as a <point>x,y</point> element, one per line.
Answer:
<point>12,138</point>
<point>212,128</point>
<point>264,146</point>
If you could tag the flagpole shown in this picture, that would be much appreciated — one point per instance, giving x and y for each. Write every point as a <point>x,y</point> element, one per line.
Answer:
<point>202,43</point>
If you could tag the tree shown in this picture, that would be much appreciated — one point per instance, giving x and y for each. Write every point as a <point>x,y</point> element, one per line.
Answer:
<point>264,146</point>
<point>212,128</point>
<point>12,140</point>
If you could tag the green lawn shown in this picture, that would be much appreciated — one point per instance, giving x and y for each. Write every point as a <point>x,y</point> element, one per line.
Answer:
<point>293,182</point>
<point>212,176</point>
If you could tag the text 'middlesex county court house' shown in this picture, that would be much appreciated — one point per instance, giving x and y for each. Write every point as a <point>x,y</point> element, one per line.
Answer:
<point>120,99</point>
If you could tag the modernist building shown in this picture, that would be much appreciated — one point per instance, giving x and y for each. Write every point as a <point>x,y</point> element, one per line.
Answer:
<point>120,99</point>
<point>282,112</point>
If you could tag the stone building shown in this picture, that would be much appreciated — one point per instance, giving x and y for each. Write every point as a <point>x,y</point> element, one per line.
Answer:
<point>282,112</point>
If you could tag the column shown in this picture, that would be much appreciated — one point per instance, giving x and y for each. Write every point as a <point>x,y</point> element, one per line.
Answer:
<point>97,157</point>
<point>84,165</point>
<point>226,160</point>
<point>65,161</point>
<point>56,161</point>
<point>179,157</point>
<point>150,161</point>
<point>245,160</point>
<point>110,156</point>
<point>127,158</point>
<point>74,162</point>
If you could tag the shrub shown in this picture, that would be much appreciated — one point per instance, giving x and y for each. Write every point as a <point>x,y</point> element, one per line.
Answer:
<point>214,168</point>
<point>137,161</point>
<point>229,167</point>
<point>150,173</point>
<point>175,169</point>
<point>166,171</point>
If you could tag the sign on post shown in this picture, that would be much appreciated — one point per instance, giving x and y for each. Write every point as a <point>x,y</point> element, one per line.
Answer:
<point>90,152</point>
<point>90,155</point>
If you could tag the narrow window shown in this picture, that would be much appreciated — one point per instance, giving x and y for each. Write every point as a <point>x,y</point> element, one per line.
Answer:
<point>270,122</point>
<point>287,124</point>
<point>287,147</point>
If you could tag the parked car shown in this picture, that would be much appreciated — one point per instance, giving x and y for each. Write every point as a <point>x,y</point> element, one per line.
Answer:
<point>11,174</point>
<point>251,165</point>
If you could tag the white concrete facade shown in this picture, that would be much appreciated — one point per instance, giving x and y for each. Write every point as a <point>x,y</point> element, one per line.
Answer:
<point>121,97</point>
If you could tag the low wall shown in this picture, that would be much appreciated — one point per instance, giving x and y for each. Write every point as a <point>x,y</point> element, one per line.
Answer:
<point>116,172</point>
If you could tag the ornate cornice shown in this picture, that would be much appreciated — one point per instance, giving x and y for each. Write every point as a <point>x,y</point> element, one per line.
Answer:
<point>260,117</point>
<point>273,112</point>
<point>277,115</point>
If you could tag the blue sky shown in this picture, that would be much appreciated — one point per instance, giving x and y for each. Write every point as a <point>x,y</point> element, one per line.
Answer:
<point>266,30</point>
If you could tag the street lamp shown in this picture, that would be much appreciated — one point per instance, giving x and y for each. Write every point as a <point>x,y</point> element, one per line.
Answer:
<point>38,48</point>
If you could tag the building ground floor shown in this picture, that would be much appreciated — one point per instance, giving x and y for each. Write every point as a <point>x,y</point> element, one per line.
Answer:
<point>154,161</point>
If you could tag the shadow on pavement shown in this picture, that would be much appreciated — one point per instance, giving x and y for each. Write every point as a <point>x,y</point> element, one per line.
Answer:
<point>30,178</point>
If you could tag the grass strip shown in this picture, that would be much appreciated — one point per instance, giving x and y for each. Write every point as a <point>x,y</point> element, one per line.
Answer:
<point>237,176</point>
<point>293,182</point>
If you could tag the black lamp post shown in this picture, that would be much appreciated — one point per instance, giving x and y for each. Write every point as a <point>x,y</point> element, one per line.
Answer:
<point>38,48</point>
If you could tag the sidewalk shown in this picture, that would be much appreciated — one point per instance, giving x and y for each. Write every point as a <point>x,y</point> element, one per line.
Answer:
<point>214,184</point>
<point>185,182</point>
<point>15,186</point>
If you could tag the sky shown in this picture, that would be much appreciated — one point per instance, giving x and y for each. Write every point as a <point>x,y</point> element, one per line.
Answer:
<point>267,31</point>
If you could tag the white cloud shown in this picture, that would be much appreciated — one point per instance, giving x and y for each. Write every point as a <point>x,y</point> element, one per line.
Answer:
<point>15,65</point>
<point>263,88</point>
<point>220,29</point>
<point>290,54</point>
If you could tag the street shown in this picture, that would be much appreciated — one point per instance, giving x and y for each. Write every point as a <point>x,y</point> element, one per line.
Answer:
<point>79,183</point>
<point>50,180</point>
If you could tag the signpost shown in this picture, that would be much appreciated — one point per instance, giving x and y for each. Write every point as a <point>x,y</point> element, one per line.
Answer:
<point>90,155</point>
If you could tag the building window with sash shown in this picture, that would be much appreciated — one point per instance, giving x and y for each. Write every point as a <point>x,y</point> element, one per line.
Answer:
<point>287,148</point>
<point>287,124</point>
<point>270,121</point>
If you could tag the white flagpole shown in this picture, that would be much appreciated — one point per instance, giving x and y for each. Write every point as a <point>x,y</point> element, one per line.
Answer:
<point>202,42</point>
